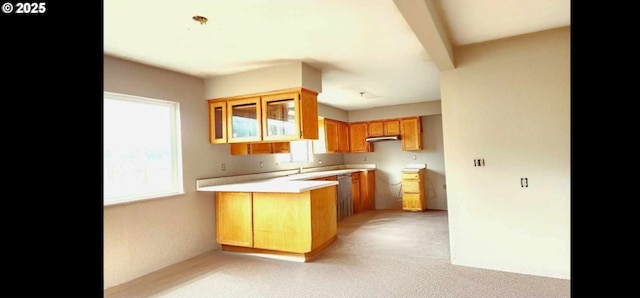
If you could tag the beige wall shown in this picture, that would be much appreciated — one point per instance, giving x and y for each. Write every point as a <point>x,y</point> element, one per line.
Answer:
<point>397,111</point>
<point>390,159</point>
<point>508,102</point>
<point>277,77</point>
<point>145,236</point>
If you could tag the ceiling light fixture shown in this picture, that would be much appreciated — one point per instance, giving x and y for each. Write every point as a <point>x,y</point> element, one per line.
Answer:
<point>200,19</point>
<point>361,93</point>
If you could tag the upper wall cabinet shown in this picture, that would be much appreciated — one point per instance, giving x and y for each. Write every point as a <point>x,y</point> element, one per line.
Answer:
<point>217,122</point>
<point>259,148</point>
<point>357,137</point>
<point>243,120</point>
<point>333,136</point>
<point>386,127</point>
<point>286,116</point>
<point>283,115</point>
<point>411,133</point>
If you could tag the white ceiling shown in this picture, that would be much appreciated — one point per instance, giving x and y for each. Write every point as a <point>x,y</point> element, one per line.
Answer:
<point>359,45</point>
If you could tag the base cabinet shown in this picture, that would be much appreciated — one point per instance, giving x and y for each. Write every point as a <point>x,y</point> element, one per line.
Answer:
<point>413,191</point>
<point>294,224</point>
<point>363,191</point>
<point>368,190</point>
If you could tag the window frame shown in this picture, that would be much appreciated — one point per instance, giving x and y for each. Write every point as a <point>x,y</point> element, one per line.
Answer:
<point>175,144</point>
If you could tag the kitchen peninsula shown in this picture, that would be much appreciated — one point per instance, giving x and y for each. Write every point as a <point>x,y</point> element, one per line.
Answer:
<point>292,216</point>
<point>292,219</point>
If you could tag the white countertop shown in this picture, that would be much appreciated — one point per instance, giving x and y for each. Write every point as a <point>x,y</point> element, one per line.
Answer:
<point>293,182</point>
<point>295,186</point>
<point>414,167</point>
<point>313,175</point>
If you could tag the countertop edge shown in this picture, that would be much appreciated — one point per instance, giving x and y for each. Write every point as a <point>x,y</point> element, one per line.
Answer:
<point>266,186</point>
<point>287,175</point>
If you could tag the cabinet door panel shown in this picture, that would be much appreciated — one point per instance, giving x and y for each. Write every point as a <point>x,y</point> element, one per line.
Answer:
<point>411,130</point>
<point>243,120</point>
<point>260,148</point>
<point>331,133</point>
<point>281,116</point>
<point>391,127</point>
<point>411,201</point>
<point>356,196</point>
<point>282,221</point>
<point>281,147</point>
<point>368,189</point>
<point>343,137</point>
<point>376,128</point>
<point>234,220</point>
<point>217,122</point>
<point>357,135</point>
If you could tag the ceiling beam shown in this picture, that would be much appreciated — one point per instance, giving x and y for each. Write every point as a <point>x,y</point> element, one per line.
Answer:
<point>424,19</point>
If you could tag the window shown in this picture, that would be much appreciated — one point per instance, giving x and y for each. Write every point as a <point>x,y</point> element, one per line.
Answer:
<point>300,151</point>
<point>142,150</point>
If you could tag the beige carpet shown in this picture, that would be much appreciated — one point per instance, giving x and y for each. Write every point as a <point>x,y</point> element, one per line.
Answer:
<point>382,253</point>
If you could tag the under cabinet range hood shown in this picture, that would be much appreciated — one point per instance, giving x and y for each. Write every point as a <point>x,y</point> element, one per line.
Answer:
<point>383,138</point>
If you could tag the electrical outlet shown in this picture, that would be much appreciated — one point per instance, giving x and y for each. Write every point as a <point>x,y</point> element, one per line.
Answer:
<point>414,157</point>
<point>319,161</point>
<point>224,167</point>
<point>364,158</point>
<point>261,164</point>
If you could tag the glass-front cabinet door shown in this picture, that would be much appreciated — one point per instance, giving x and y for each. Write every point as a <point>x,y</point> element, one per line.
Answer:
<point>217,122</point>
<point>243,120</point>
<point>280,117</point>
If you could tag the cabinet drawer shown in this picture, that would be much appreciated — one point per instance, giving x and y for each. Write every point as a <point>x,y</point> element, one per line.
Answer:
<point>411,186</point>
<point>410,176</point>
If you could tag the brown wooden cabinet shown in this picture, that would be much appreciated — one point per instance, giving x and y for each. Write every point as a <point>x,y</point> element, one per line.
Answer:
<point>357,138</point>
<point>282,115</point>
<point>356,198</point>
<point>376,128</point>
<point>363,190</point>
<point>234,218</point>
<point>296,224</point>
<point>385,127</point>
<point>243,120</point>
<point>217,122</point>
<point>333,136</point>
<point>259,148</point>
<point>391,127</point>
<point>411,133</point>
<point>413,191</point>
<point>368,190</point>
<point>343,137</point>
<point>289,116</point>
